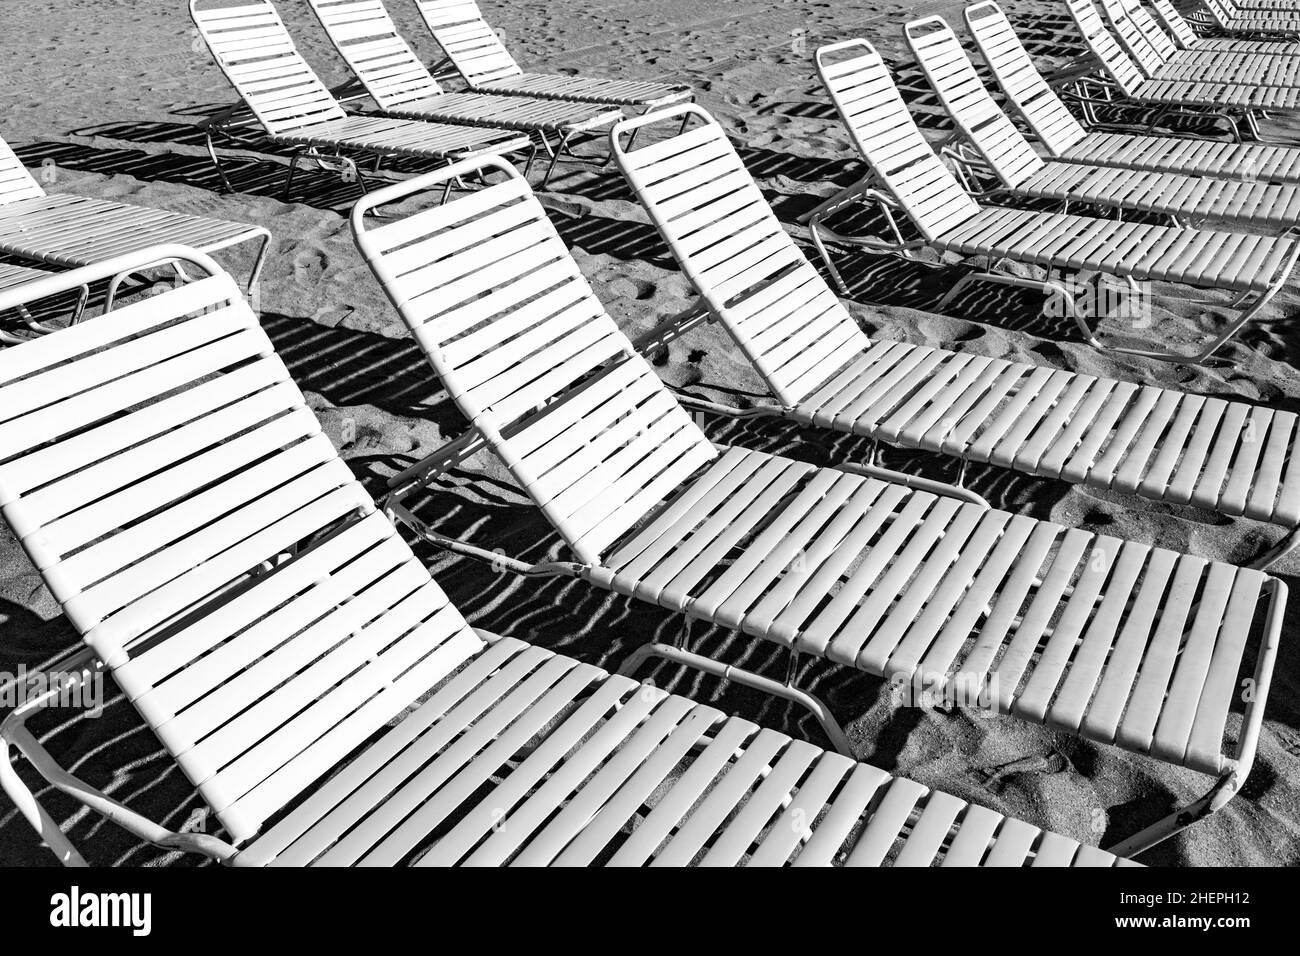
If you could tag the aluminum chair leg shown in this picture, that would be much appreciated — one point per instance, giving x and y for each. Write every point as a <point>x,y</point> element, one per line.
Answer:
<point>46,827</point>
<point>815,233</point>
<point>1270,556</point>
<point>946,489</point>
<point>532,158</point>
<point>1206,355</point>
<point>14,733</point>
<point>746,678</point>
<point>1218,796</point>
<point>293,169</point>
<point>556,154</point>
<point>258,262</point>
<point>80,311</point>
<point>216,161</point>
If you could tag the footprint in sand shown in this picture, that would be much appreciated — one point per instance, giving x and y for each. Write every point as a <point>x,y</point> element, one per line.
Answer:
<point>638,289</point>
<point>309,266</point>
<point>1049,351</point>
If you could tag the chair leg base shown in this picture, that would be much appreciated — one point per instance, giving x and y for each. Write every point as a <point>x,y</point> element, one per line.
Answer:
<point>46,827</point>
<point>918,482</point>
<point>1270,556</point>
<point>839,739</point>
<point>1180,819</point>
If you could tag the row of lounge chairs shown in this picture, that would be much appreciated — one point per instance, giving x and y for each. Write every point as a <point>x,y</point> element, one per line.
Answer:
<point>267,621</point>
<point>165,476</point>
<point>507,110</point>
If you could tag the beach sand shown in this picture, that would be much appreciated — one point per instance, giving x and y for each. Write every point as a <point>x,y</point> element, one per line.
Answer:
<point>102,99</point>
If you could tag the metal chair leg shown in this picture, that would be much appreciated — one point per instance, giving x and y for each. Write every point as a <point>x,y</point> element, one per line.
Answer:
<point>746,678</point>
<point>216,161</point>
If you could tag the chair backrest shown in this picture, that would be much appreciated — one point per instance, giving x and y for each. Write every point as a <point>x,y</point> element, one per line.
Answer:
<point>367,39</point>
<point>472,46</point>
<point>888,138</point>
<point>15,181</point>
<point>1104,46</point>
<point>1132,24</point>
<point>530,356</point>
<point>254,50</point>
<point>738,256</point>
<point>151,461</point>
<point>1219,12</point>
<point>963,94</point>
<point>1177,24</point>
<point>1049,118</point>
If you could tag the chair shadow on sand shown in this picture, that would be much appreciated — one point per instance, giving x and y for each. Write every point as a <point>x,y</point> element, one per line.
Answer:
<point>1052,39</point>
<point>251,177</point>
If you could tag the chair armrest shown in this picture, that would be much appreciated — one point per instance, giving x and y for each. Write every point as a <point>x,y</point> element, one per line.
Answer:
<point>14,733</point>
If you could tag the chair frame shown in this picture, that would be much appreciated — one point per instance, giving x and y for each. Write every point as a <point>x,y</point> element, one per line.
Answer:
<point>81,665</point>
<point>680,95</point>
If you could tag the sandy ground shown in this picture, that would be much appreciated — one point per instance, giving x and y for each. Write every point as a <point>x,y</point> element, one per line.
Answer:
<point>102,97</point>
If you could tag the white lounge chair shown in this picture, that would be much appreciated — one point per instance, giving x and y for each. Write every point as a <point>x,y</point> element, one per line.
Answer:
<point>68,230</point>
<point>1119,642</point>
<point>487,66</point>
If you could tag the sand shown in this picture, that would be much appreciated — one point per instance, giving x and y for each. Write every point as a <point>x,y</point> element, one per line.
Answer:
<point>102,98</point>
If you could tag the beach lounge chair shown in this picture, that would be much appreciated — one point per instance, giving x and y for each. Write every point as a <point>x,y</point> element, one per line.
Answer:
<point>482,60</point>
<point>1223,16</point>
<point>1231,19</point>
<point>293,107</point>
<point>1080,631</point>
<point>1187,37</point>
<point>825,373</point>
<point>912,179</point>
<point>364,35</point>
<point>1261,7</point>
<point>67,230</point>
<point>1005,156</point>
<point>1065,138</point>
<point>1159,58</point>
<point>1240,105</point>
<point>152,457</point>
